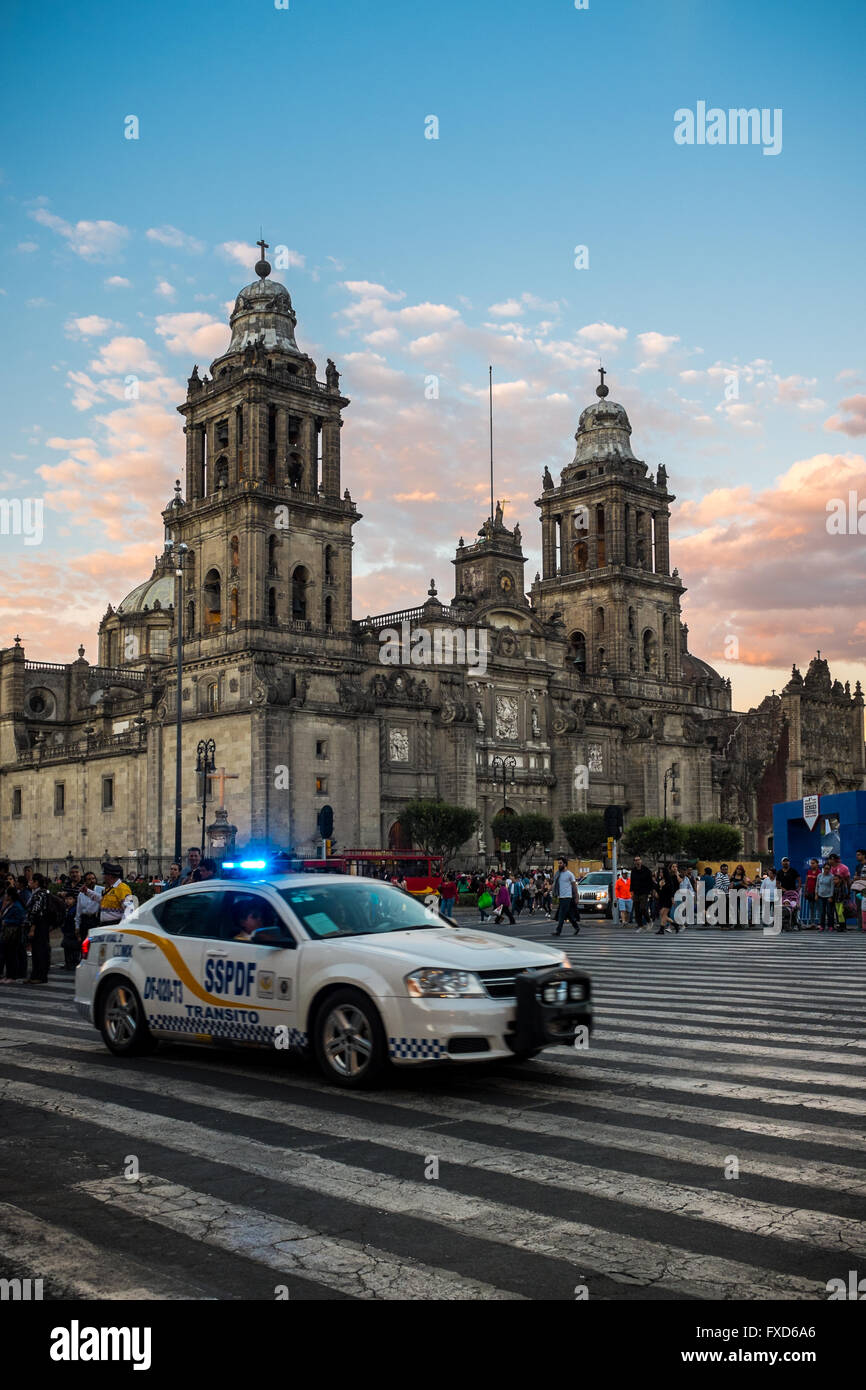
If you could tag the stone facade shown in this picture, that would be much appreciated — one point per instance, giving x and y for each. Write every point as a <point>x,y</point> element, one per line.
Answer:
<point>587,681</point>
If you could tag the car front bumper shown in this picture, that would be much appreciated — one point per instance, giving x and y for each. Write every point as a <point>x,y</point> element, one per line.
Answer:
<point>482,1029</point>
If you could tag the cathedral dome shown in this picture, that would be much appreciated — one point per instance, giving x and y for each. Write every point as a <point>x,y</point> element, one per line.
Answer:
<point>159,589</point>
<point>263,312</point>
<point>603,432</point>
<point>698,672</point>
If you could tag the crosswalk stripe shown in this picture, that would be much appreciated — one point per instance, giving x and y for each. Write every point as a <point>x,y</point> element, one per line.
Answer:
<point>779,1168</point>
<point>622,1258</point>
<point>51,1253</point>
<point>285,1246</point>
<point>721,1047</point>
<point>735,1212</point>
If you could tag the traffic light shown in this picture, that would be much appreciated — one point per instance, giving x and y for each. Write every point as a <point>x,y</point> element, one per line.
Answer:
<point>613,821</point>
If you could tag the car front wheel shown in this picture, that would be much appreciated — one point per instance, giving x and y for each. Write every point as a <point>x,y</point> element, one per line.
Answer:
<point>122,1022</point>
<point>349,1040</point>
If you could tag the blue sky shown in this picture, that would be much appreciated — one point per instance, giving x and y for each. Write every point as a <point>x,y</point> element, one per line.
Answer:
<point>555,129</point>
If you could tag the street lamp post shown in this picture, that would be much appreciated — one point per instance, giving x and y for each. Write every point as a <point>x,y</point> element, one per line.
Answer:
<point>503,765</point>
<point>205,763</point>
<point>670,776</point>
<point>180,550</point>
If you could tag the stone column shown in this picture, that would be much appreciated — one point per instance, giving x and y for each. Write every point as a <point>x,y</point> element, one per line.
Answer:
<point>310,436</point>
<point>192,434</point>
<point>615,538</point>
<point>232,450</point>
<point>331,457</point>
<point>661,524</point>
<point>548,545</point>
<point>631,538</point>
<point>281,445</point>
<point>592,537</point>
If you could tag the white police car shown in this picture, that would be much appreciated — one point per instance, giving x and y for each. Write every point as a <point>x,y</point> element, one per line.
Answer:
<point>351,969</point>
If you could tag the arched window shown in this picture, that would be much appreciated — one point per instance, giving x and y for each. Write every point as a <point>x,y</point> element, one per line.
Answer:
<point>212,595</point>
<point>190,618</point>
<point>632,632</point>
<point>632,659</point>
<point>577,651</point>
<point>329,611</point>
<point>599,622</point>
<point>649,650</point>
<point>212,697</point>
<point>667,665</point>
<point>233,608</point>
<point>272,554</point>
<point>329,562</point>
<point>300,580</point>
<point>236,553</point>
<point>272,605</point>
<point>599,531</point>
<point>580,556</point>
<point>222,471</point>
<point>602,658</point>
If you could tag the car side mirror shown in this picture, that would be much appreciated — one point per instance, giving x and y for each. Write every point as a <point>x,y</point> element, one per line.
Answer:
<point>271,936</point>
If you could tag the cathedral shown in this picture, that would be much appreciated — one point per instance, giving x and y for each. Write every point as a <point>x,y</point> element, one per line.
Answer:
<point>587,681</point>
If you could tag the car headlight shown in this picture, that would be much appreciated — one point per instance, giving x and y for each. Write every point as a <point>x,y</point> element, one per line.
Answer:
<point>565,962</point>
<point>431,983</point>
<point>600,897</point>
<point>577,990</point>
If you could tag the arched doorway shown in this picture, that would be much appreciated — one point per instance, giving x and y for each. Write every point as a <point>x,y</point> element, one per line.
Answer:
<point>300,580</point>
<point>397,837</point>
<point>212,595</point>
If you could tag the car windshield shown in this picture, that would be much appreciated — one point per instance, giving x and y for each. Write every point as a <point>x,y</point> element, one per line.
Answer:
<point>357,908</point>
<point>596,878</point>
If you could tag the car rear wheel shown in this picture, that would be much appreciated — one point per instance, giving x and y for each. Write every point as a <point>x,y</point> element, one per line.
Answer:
<point>349,1040</point>
<point>122,1022</point>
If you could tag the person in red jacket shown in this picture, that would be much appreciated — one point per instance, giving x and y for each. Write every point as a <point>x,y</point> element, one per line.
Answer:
<point>809,893</point>
<point>448,894</point>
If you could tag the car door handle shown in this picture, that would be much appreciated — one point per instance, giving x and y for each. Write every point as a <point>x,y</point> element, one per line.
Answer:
<point>217,953</point>
<point>147,946</point>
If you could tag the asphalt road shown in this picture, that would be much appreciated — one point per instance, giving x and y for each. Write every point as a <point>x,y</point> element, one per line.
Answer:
<point>707,1145</point>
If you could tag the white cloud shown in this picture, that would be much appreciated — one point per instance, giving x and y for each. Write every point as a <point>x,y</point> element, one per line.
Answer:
<point>194,334</point>
<point>655,345</point>
<point>509,308</point>
<point>369,290</point>
<point>90,240</point>
<point>603,335</point>
<point>172,236</point>
<point>165,289</point>
<point>28,247</point>
<point>117,282</point>
<point>90,326</point>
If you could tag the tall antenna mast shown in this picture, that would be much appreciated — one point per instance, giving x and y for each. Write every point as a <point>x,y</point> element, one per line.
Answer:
<point>490,372</point>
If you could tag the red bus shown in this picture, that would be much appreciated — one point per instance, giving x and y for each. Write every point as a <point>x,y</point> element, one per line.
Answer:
<point>422,872</point>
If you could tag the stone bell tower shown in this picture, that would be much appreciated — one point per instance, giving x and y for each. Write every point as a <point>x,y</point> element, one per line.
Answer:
<point>269,533</point>
<point>606,554</point>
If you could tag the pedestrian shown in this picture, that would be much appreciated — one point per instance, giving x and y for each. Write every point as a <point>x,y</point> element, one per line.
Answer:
<point>502,902</point>
<point>193,859</point>
<point>206,869</point>
<point>484,902</point>
<point>723,879</point>
<point>824,898</point>
<point>641,887</point>
<point>449,896</point>
<point>842,905</point>
<point>87,906</point>
<point>71,944</point>
<point>114,894</point>
<point>667,882</point>
<point>684,900</point>
<point>565,887</point>
<point>809,901</point>
<point>13,952</point>
<point>622,894</point>
<point>172,878</point>
<point>38,928</point>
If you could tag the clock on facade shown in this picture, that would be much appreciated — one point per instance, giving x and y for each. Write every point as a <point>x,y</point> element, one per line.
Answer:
<point>506,583</point>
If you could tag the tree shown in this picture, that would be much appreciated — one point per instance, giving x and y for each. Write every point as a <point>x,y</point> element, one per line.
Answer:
<point>522,831</point>
<point>653,838</point>
<point>584,831</point>
<point>713,839</point>
<point>436,827</point>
